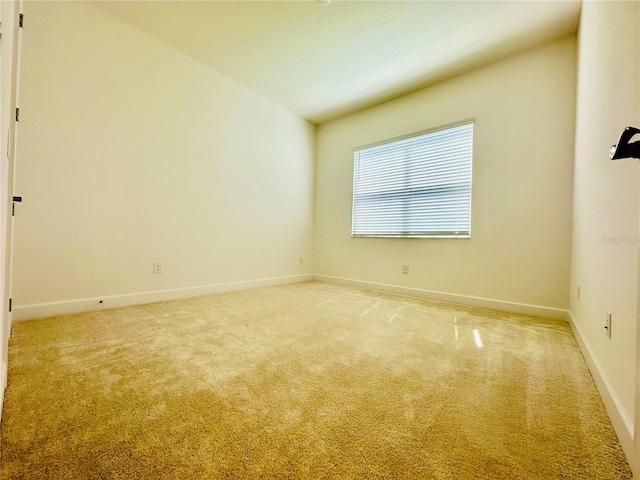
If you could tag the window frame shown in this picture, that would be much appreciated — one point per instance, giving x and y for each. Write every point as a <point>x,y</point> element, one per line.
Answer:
<point>406,235</point>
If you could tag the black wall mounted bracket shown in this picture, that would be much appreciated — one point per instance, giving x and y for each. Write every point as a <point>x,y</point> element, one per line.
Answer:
<point>624,148</point>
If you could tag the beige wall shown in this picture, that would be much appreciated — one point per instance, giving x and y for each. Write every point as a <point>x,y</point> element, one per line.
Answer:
<point>132,153</point>
<point>519,251</point>
<point>605,221</point>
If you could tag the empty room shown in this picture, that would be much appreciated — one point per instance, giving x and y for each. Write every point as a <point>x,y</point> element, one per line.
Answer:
<point>319,239</point>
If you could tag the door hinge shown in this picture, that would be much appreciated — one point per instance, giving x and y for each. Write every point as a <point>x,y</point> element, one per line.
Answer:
<point>10,303</point>
<point>17,114</point>
<point>13,205</point>
<point>21,20</point>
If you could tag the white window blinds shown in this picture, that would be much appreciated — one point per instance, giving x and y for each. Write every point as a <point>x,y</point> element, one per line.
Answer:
<point>418,186</point>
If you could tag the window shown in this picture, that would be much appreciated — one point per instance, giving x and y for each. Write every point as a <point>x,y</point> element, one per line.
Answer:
<point>415,186</point>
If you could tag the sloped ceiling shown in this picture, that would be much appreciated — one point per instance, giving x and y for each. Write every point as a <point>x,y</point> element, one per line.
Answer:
<point>323,62</point>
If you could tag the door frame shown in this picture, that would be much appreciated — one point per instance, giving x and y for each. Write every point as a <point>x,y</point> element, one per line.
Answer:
<point>10,11</point>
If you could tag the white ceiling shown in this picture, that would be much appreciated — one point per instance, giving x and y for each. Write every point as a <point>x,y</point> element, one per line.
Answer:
<point>323,62</point>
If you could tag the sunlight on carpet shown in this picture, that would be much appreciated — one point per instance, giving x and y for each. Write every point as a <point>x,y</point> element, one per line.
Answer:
<point>309,380</point>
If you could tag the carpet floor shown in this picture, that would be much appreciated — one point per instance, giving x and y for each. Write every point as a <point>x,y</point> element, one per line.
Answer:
<point>309,380</point>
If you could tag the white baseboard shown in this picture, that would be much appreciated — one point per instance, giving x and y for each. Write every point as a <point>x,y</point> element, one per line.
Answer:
<point>513,307</point>
<point>619,417</point>
<point>42,310</point>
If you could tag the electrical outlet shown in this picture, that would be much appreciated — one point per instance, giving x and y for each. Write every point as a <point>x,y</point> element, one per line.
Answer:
<point>578,292</point>
<point>157,267</point>
<point>607,324</point>
<point>301,261</point>
<point>405,268</point>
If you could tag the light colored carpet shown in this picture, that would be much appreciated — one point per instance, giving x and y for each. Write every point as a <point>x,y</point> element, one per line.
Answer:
<point>302,381</point>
